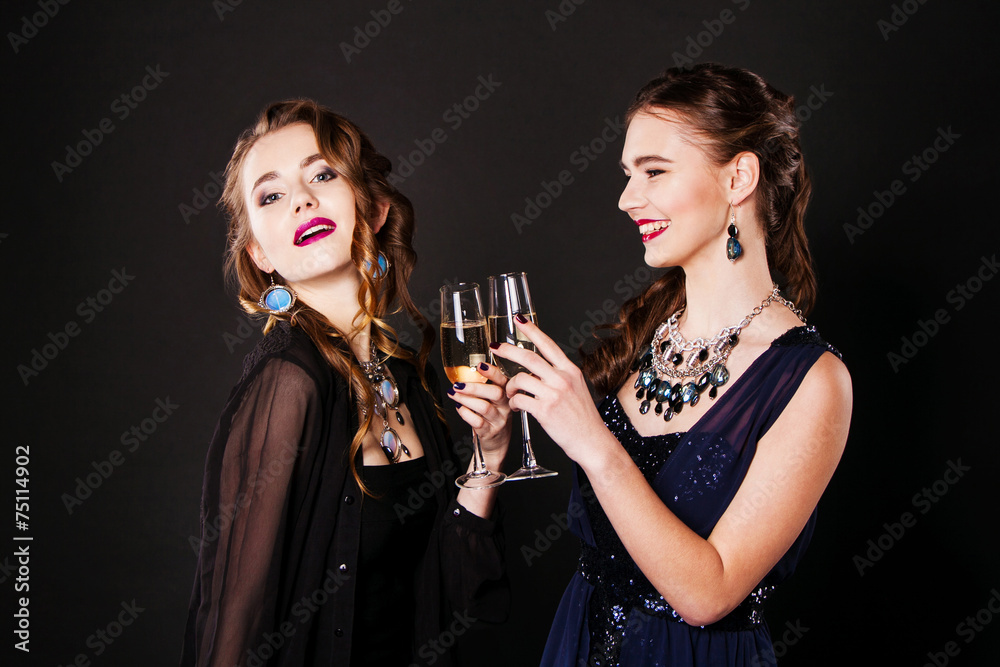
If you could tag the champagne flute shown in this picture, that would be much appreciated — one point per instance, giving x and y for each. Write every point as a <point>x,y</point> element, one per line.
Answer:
<point>463,348</point>
<point>509,296</point>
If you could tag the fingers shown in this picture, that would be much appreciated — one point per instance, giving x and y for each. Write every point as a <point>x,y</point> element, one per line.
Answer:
<point>531,361</point>
<point>547,347</point>
<point>524,382</point>
<point>481,404</point>
<point>493,374</point>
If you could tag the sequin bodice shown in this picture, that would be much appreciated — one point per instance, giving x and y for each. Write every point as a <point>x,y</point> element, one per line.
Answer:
<point>619,585</point>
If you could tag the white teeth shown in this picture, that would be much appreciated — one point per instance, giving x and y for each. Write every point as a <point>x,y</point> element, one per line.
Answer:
<point>651,227</point>
<point>313,230</point>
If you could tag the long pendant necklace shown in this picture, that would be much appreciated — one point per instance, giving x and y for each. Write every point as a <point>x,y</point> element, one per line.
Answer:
<point>695,365</point>
<point>386,398</point>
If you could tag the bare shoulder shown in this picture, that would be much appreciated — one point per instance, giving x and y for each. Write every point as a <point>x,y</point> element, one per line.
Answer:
<point>828,381</point>
<point>821,407</point>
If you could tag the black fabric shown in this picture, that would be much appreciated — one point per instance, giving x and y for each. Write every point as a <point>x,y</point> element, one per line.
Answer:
<point>393,540</point>
<point>281,521</point>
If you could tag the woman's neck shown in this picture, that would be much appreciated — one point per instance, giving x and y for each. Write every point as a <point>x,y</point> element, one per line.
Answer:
<point>721,293</point>
<point>336,298</point>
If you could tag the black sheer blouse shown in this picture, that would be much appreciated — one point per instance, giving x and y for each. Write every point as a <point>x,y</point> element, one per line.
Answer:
<point>281,521</point>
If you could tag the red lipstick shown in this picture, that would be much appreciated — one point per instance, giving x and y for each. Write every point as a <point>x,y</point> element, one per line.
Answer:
<point>649,236</point>
<point>314,230</point>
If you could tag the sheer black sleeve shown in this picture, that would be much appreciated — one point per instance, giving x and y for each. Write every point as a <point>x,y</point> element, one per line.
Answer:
<point>473,566</point>
<point>248,474</point>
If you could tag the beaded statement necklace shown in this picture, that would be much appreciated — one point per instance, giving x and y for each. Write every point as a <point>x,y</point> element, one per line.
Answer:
<point>671,357</point>
<point>386,398</point>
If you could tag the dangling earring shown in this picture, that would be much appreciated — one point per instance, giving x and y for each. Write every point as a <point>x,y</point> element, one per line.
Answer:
<point>733,247</point>
<point>383,266</point>
<point>276,298</point>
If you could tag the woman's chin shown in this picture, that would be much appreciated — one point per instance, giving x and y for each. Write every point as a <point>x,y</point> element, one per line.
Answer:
<point>657,259</point>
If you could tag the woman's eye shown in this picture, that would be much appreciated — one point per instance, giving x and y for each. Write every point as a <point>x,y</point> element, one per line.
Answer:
<point>654,172</point>
<point>325,175</point>
<point>269,199</point>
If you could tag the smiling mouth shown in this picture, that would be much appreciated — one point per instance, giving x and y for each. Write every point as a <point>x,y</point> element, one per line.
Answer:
<point>650,226</point>
<point>314,230</point>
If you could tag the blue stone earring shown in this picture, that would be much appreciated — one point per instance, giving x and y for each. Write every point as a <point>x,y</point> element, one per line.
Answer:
<point>733,247</point>
<point>383,266</point>
<point>276,298</point>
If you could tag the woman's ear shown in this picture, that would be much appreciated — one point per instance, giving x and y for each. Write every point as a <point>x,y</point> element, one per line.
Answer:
<point>743,172</point>
<point>259,258</point>
<point>381,214</point>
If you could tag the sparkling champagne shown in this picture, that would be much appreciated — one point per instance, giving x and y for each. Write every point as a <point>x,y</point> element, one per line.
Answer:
<point>501,332</point>
<point>463,348</point>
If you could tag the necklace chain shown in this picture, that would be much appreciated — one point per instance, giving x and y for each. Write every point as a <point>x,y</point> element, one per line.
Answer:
<point>386,398</point>
<point>705,360</point>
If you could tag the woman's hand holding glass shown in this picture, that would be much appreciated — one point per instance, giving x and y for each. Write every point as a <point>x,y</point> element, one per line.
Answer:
<point>555,394</point>
<point>509,297</point>
<point>486,409</point>
<point>464,352</point>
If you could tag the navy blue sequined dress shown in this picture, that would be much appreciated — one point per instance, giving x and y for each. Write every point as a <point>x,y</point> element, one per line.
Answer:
<point>610,614</point>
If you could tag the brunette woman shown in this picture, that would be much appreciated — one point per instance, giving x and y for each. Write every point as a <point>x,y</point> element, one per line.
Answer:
<point>331,531</point>
<point>723,414</point>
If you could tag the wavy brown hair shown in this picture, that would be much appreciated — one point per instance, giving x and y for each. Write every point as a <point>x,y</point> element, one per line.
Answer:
<point>351,154</point>
<point>730,110</point>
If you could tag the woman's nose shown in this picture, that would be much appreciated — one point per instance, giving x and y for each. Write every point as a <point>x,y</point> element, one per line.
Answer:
<point>304,199</point>
<point>630,198</point>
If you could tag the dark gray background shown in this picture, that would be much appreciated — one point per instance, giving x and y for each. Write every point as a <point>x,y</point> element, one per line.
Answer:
<point>165,335</point>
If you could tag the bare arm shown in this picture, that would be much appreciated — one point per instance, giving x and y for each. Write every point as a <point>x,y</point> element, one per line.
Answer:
<point>703,579</point>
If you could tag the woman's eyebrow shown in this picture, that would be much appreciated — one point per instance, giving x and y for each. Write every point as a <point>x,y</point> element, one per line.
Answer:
<point>639,161</point>
<point>271,175</point>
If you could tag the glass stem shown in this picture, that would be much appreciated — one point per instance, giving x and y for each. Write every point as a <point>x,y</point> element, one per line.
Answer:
<point>478,461</point>
<point>528,454</point>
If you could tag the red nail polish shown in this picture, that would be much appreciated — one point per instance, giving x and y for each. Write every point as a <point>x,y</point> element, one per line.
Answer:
<point>484,367</point>
<point>521,318</point>
<point>494,346</point>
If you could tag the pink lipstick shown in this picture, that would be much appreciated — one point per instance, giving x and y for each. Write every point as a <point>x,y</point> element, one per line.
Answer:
<point>314,230</point>
<point>650,229</point>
